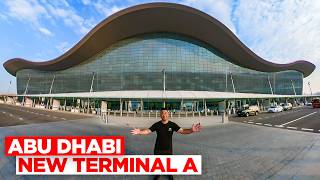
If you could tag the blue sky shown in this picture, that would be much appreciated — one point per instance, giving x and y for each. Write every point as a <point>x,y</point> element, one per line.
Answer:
<point>280,31</point>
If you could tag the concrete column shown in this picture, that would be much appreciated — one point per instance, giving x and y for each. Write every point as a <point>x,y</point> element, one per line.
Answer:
<point>222,108</point>
<point>121,102</point>
<point>205,107</point>
<point>141,105</point>
<point>65,104</point>
<point>129,106</point>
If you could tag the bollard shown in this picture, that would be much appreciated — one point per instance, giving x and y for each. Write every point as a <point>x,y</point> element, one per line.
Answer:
<point>149,114</point>
<point>211,113</point>
<point>179,114</point>
<point>199,113</point>
<point>186,114</point>
<point>156,114</point>
<point>192,113</point>
<point>170,114</point>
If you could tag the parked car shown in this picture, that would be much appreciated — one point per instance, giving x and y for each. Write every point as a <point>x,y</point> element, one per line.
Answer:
<point>309,104</point>
<point>248,111</point>
<point>275,109</point>
<point>286,106</point>
<point>316,103</point>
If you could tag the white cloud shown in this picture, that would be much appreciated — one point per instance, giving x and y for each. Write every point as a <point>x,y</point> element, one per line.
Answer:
<point>86,2</point>
<point>107,8</point>
<point>45,31</point>
<point>219,9</point>
<point>30,11</point>
<point>3,17</point>
<point>70,18</point>
<point>282,31</point>
<point>63,47</point>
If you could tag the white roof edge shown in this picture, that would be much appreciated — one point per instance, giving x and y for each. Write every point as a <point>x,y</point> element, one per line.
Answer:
<point>153,94</point>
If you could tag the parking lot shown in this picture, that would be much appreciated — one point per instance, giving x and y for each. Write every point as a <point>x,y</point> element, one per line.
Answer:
<point>11,115</point>
<point>301,119</point>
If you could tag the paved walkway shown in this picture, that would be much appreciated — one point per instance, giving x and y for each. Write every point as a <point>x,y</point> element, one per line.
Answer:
<point>145,122</point>
<point>229,151</point>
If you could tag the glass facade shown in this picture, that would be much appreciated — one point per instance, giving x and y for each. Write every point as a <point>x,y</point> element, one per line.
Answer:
<point>137,63</point>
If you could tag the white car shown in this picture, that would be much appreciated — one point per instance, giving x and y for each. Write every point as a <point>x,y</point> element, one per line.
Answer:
<point>286,106</point>
<point>275,109</point>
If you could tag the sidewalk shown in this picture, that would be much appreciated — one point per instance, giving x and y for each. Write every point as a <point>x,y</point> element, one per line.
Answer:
<point>145,122</point>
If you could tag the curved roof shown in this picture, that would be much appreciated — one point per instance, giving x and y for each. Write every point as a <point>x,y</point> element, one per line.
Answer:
<point>159,17</point>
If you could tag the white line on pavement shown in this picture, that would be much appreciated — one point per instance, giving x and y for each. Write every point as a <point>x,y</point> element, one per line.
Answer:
<point>259,123</point>
<point>20,118</point>
<point>279,126</point>
<point>292,128</point>
<point>268,125</point>
<point>306,129</point>
<point>250,122</point>
<point>298,119</point>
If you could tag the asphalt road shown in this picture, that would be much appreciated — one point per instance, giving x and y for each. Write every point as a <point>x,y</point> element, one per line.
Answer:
<point>302,119</point>
<point>16,115</point>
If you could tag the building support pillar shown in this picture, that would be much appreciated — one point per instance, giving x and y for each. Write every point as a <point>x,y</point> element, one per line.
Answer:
<point>141,106</point>
<point>121,107</point>
<point>205,107</point>
<point>222,107</point>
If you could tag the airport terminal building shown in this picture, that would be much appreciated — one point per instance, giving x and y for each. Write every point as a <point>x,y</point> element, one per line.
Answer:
<point>158,52</point>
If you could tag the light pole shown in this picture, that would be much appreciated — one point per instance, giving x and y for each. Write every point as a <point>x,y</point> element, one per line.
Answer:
<point>164,79</point>
<point>164,84</point>
<point>310,88</point>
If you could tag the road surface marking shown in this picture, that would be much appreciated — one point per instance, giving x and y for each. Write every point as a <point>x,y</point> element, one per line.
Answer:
<point>268,125</point>
<point>279,126</point>
<point>250,122</point>
<point>10,115</point>
<point>292,128</point>
<point>244,121</point>
<point>63,118</point>
<point>298,119</point>
<point>259,123</point>
<point>306,129</point>
<point>20,118</point>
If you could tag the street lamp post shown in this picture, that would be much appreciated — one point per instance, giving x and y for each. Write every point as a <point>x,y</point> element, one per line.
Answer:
<point>310,88</point>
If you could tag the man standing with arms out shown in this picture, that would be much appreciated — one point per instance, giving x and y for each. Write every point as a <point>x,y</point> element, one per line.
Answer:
<point>164,129</point>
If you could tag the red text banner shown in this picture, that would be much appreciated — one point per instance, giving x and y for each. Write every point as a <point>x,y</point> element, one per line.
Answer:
<point>64,146</point>
<point>109,165</point>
